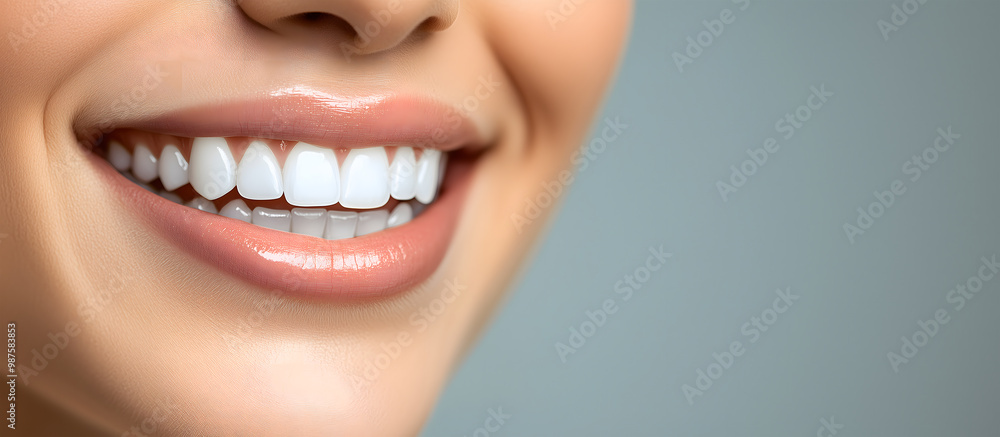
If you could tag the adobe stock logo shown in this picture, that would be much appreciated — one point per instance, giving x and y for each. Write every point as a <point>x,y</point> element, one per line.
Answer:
<point>959,297</point>
<point>900,15</point>
<point>496,420</point>
<point>704,39</point>
<point>759,324</point>
<point>787,125</point>
<point>625,288</point>
<point>30,26</point>
<point>915,167</point>
<point>372,29</point>
<point>551,189</point>
<point>562,12</point>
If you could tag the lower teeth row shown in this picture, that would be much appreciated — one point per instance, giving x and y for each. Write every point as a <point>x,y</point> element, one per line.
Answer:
<point>315,222</point>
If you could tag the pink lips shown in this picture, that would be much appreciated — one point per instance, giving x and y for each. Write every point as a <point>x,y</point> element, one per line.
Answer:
<point>372,266</point>
<point>321,119</point>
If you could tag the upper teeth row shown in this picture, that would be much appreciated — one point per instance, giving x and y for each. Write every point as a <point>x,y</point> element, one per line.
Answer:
<point>311,176</point>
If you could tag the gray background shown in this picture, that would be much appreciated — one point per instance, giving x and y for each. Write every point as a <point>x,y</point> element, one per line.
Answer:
<point>827,355</point>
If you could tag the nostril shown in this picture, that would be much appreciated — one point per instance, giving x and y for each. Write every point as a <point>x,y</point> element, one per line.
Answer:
<point>312,16</point>
<point>323,21</point>
<point>433,24</point>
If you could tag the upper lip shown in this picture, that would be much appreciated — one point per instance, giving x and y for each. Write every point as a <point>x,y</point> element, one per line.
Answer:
<point>321,119</point>
<point>371,266</point>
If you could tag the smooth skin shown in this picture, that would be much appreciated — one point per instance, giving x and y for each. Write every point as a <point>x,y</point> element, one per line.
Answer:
<point>162,341</point>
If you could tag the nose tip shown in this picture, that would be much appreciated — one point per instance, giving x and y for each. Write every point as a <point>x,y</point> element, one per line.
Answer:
<point>361,26</point>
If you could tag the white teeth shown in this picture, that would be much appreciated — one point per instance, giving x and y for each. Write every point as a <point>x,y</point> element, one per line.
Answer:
<point>277,219</point>
<point>200,203</point>
<point>119,158</point>
<point>139,183</point>
<point>171,197</point>
<point>401,215</point>
<point>364,180</point>
<point>259,176</point>
<point>403,174</point>
<point>311,176</point>
<point>173,168</point>
<point>308,221</point>
<point>144,166</point>
<point>427,175</point>
<point>340,225</point>
<point>371,221</point>
<point>212,170</point>
<point>237,209</point>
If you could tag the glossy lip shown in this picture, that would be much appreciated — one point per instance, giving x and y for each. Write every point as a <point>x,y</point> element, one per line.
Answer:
<point>378,265</point>
<point>326,120</point>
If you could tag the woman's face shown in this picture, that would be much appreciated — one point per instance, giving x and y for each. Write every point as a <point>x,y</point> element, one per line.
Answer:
<point>347,264</point>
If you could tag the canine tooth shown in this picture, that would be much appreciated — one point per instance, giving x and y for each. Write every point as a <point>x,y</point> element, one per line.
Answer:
<point>119,158</point>
<point>403,174</point>
<point>171,197</point>
<point>259,177</point>
<point>371,221</point>
<point>401,215</point>
<point>340,225</point>
<point>173,168</point>
<point>202,204</point>
<point>311,176</point>
<point>364,180</point>
<point>427,175</point>
<point>144,166</point>
<point>212,169</point>
<point>237,209</point>
<point>277,219</point>
<point>308,221</point>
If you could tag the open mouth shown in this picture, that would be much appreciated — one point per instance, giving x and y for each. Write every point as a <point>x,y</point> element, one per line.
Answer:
<point>355,207</point>
<point>285,186</point>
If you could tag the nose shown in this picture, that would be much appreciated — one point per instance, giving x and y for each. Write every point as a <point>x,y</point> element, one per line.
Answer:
<point>374,25</point>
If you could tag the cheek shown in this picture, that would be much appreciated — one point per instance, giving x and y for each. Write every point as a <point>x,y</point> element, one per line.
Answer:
<point>46,40</point>
<point>561,57</point>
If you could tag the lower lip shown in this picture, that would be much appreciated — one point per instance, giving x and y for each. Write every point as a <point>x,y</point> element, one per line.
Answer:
<point>378,265</point>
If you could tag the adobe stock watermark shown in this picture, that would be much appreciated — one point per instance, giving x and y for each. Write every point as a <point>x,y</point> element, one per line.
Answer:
<point>236,336</point>
<point>419,320</point>
<point>87,310</point>
<point>704,39</point>
<point>151,424</point>
<point>495,420</point>
<point>788,126</point>
<point>958,297</point>
<point>153,77</point>
<point>752,331</point>
<point>561,12</point>
<point>899,16</point>
<point>36,22</point>
<point>371,29</point>
<point>914,167</point>
<point>625,288</point>
<point>581,160</point>
<point>12,352</point>
<point>828,427</point>
<point>485,89</point>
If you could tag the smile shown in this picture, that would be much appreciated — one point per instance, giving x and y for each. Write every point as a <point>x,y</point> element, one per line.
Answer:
<point>290,193</point>
<point>356,207</point>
